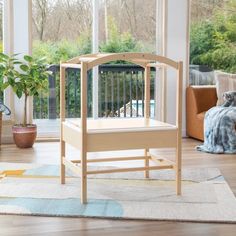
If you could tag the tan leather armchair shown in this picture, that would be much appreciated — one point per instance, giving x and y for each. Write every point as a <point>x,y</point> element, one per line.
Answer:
<point>199,99</point>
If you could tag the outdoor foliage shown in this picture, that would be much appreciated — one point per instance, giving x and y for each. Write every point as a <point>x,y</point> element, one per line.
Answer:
<point>119,42</point>
<point>66,33</point>
<point>213,41</point>
<point>63,50</point>
<point>54,52</point>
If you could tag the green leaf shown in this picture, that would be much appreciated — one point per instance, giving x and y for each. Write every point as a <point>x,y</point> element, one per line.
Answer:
<point>19,93</point>
<point>2,65</point>
<point>17,62</point>
<point>28,58</point>
<point>5,85</point>
<point>24,67</point>
<point>15,54</point>
<point>2,55</point>
<point>42,60</point>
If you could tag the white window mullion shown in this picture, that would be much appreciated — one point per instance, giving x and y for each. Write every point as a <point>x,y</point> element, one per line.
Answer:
<point>160,85</point>
<point>23,45</point>
<point>30,45</point>
<point>95,49</point>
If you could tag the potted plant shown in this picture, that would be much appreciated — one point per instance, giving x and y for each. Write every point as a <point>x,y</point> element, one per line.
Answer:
<point>28,79</point>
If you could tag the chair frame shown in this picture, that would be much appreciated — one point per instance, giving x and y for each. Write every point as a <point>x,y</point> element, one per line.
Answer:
<point>95,138</point>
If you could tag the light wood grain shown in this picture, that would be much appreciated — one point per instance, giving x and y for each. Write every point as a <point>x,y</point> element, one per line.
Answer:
<point>179,96</point>
<point>68,65</point>
<point>127,135</point>
<point>69,134</point>
<point>83,137</point>
<point>131,169</point>
<point>112,159</point>
<point>114,125</point>
<point>137,58</point>
<point>62,117</point>
<point>147,80</point>
<point>73,167</point>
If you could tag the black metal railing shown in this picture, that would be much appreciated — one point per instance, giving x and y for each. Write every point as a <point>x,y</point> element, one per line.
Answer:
<point>1,96</point>
<point>120,92</point>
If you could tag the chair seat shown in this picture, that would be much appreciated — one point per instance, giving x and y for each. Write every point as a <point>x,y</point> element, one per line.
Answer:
<point>111,125</point>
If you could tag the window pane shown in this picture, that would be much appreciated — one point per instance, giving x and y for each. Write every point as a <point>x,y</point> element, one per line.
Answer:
<point>61,30</point>
<point>212,39</point>
<point>127,25</point>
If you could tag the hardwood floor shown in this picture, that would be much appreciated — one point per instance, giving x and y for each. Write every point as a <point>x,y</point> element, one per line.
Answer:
<point>49,153</point>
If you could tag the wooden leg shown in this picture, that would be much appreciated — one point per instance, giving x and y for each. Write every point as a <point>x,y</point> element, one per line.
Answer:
<point>146,163</point>
<point>63,175</point>
<point>84,178</point>
<point>178,169</point>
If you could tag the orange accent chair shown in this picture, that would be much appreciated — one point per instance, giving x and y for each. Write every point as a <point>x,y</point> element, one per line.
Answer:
<point>199,99</point>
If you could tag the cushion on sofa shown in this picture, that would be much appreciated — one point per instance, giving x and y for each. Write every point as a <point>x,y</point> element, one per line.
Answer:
<point>224,82</point>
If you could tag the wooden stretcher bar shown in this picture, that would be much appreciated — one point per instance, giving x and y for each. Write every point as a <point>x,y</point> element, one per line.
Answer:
<point>163,164</point>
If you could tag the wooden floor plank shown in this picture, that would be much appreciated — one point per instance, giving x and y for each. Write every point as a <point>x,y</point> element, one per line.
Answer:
<point>56,226</point>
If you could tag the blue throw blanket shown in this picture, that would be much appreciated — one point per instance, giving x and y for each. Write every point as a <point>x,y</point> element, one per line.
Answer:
<point>220,127</point>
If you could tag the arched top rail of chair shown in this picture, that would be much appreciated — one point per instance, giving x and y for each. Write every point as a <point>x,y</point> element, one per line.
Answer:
<point>142,59</point>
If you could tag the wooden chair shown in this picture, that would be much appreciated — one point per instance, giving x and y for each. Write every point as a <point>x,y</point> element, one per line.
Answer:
<point>89,135</point>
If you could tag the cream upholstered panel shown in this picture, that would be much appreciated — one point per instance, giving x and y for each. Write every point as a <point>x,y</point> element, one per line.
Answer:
<point>224,82</point>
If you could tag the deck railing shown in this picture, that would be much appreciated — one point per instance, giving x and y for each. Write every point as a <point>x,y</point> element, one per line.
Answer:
<point>120,92</point>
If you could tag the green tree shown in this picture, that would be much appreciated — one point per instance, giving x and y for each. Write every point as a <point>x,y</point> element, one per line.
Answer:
<point>213,42</point>
<point>119,42</point>
<point>62,50</point>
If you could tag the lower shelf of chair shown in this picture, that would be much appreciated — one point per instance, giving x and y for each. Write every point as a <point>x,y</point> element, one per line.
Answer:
<point>160,163</point>
<point>121,134</point>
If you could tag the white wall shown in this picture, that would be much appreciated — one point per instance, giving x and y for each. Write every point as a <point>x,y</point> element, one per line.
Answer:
<point>21,42</point>
<point>8,25</point>
<point>17,39</point>
<point>95,49</point>
<point>177,49</point>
